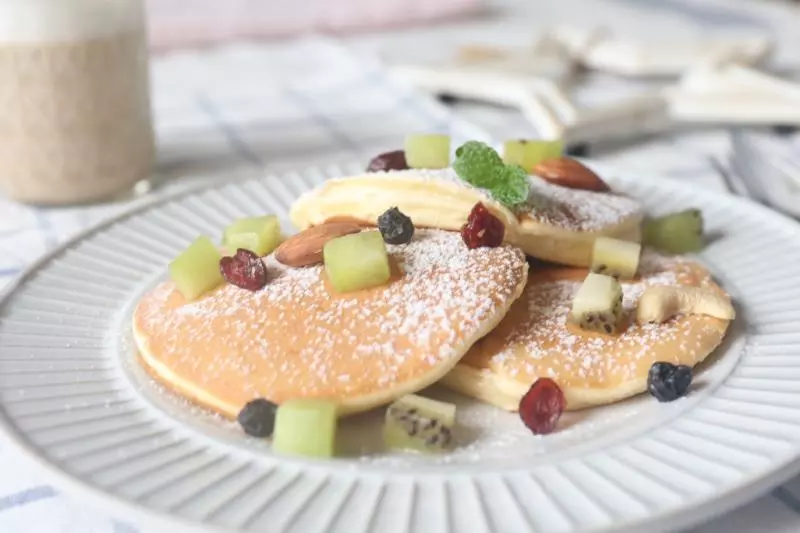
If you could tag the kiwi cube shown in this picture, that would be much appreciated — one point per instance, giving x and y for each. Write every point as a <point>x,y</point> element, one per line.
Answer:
<point>419,424</point>
<point>427,151</point>
<point>196,270</point>
<point>616,258</point>
<point>260,235</point>
<point>597,306</point>
<point>357,261</point>
<point>305,427</point>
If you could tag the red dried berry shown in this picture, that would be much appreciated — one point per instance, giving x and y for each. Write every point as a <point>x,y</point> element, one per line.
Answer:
<point>542,405</point>
<point>482,229</point>
<point>245,269</point>
<point>388,161</point>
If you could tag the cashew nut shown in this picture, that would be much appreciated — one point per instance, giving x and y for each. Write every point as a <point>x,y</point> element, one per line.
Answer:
<point>659,304</point>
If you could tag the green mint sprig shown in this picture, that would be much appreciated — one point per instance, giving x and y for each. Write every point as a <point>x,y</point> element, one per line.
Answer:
<point>480,165</point>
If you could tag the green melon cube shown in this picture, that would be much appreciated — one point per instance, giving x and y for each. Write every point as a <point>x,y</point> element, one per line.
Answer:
<point>260,235</point>
<point>305,427</point>
<point>427,151</point>
<point>196,270</point>
<point>357,261</point>
<point>527,153</point>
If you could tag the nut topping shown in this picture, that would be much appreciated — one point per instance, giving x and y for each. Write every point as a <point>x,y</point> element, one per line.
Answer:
<point>305,248</point>
<point>570,173</point>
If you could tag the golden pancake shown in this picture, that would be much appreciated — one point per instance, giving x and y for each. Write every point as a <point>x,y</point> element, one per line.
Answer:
<point>534,340</point>
<point>297,338</point>
<point>556,224</point>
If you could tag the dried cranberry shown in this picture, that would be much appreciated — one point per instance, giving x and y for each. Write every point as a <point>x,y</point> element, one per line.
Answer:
<point>542,405</point>
<point>388,161</point>
<point>245,270</point>
<point>482,228</point>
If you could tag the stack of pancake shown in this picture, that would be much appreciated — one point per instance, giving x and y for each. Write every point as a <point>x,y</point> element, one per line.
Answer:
<point>479,321</point>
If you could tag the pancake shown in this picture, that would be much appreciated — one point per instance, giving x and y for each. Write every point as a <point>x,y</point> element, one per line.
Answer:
<point>557,224</point>
<point>534,341</point>
<point>297,338</point>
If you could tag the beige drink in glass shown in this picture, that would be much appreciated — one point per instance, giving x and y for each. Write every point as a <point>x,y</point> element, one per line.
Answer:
<point>75,120</point>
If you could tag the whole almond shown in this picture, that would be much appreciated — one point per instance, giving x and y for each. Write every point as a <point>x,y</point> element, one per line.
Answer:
<point>568,172</point>
<point>305,248</point>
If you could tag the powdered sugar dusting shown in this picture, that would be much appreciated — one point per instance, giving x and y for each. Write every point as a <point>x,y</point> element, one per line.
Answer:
<point>296,337</point>
<point>572,209</point>
<point>535,340</point>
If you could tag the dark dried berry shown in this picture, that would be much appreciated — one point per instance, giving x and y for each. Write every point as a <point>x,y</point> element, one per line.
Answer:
<point>482,229</point>
<point>395,227</point>
<point>578,150</point>
<point>245,270</point>
<point>388,161</point>
<point>257,418</point>
<point>668,382</point>
<point>542,405</point>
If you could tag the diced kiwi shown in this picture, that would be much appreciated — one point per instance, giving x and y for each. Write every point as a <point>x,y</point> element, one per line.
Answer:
<point>427,151</point>
<point>597,306</point>
<point>420,424</point>
<point>260,235</point>
<point>196,270</point>
<point>356,261</point>
<point>305,427</point>
<point>528,153</point>
<point>676,233</point>
<point>616,258</point>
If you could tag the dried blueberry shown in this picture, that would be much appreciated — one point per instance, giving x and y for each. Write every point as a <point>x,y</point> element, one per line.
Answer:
<point>578,150</point>
<point>388,161</point>
<point>395,227</point>
<point>257,418</point>
<point>668,382</point>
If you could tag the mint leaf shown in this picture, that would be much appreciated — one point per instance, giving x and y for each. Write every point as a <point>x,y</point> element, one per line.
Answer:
<point>476,164</point>
<point>511,185</point>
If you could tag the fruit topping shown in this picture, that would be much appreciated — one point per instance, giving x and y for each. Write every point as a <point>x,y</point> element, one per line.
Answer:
<point>196,270</point>
<point>421,424</point>
<point>482,229</point>
<point>578,150</point>
<point>541,407</point>
<point>305,427</point>
<point>615,258</point>
<point>527,153</point>
<point>388,161</point>
<point>479,165</point>
<point>668,382</point>
<point>570,173</point>
<point>658,304</point>
<point>358,261</point>
<point>244,269</point>
<point>676,233</point>
<point>395,226</point>
<point>257,418</point>
<point>260,235</point>
<point>597,305</point>
<point>427,151</point>
<point>305,248</point>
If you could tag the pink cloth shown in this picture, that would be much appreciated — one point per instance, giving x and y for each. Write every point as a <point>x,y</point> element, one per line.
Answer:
<point>175,23</point>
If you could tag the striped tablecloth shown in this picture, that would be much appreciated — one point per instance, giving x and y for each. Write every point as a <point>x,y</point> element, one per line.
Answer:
<point>293,105</point>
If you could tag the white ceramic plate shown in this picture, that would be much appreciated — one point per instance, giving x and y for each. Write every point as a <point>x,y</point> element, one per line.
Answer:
<point>75,401</point>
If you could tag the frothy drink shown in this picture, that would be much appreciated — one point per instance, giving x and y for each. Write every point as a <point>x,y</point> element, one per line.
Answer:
<point>75,124</point>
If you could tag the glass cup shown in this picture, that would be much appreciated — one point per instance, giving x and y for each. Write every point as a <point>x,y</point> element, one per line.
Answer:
<point>75,124</point>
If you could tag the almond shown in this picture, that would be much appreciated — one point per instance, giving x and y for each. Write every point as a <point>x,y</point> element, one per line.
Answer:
<point>568,172</point>
<point>305,248</point>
